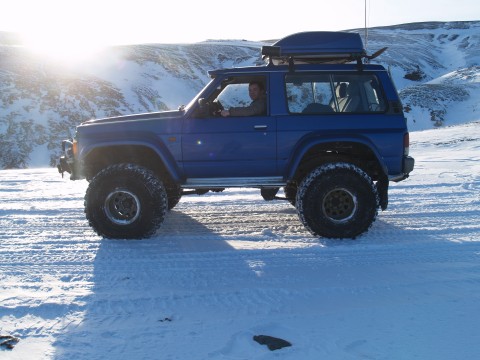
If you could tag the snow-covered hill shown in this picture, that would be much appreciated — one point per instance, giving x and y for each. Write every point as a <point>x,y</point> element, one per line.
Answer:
<point>228,266</point>
<point>436,67</point>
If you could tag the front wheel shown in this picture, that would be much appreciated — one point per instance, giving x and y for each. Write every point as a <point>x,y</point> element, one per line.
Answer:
<point>337,200</point>
<point>125,201</point>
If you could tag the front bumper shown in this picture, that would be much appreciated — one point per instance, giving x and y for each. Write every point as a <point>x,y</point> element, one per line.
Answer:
<point>65,162</point>
<point>63,165</point>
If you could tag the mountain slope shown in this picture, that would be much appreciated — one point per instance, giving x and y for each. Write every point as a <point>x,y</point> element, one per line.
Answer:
<point>436,67</point>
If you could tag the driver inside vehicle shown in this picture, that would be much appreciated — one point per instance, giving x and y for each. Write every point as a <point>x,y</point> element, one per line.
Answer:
<point>258,106</point>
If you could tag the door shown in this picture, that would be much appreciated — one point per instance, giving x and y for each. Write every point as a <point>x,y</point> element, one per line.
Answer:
<point>232,146</point>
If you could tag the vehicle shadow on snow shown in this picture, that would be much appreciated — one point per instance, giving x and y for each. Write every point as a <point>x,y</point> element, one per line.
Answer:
<point>182,233</point>
<point>208,228</point>
<point>212,229</point>
<point>147,293</point>
<point>143,292</point>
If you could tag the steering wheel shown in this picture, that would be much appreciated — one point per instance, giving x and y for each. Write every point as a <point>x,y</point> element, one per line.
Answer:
<point>216,107</point>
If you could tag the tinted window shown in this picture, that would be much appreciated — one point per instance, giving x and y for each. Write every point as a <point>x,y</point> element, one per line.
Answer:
<point>235,95</point>
<point>234,91</point>
<point>327,93</point>
<point>309,93</point>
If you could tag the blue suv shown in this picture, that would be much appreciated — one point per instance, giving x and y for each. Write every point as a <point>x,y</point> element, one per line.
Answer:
<point>333,135</point>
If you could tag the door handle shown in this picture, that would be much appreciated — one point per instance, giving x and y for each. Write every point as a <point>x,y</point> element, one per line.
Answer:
<point>260,127</point>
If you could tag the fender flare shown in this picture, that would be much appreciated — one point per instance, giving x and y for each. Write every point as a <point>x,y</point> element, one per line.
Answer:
<point>312,140</point>
<point>143,139</point>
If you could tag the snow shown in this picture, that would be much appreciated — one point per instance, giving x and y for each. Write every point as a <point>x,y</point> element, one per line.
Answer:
<point>39,156</point>
<point>226,267</point>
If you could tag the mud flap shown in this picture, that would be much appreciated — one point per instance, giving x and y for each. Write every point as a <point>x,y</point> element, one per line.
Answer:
<point>382,188</point>
<point>269,193</point>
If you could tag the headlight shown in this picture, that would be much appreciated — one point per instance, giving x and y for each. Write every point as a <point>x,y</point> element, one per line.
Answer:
<point>68,148</point>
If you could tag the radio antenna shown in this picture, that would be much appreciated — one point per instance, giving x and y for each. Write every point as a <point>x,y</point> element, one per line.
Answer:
<point>366,29</point>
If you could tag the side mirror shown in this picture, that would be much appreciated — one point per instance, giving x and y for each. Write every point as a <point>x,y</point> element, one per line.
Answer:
<point>203,108</point>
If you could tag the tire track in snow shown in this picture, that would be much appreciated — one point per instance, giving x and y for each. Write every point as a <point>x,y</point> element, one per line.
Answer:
<point>58,279</point>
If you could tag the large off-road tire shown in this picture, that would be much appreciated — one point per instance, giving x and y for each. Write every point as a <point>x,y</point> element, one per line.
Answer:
<point>125,201</point>
<point>337,200</point>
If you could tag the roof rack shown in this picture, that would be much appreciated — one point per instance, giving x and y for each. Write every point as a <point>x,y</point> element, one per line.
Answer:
<point>316,47</point>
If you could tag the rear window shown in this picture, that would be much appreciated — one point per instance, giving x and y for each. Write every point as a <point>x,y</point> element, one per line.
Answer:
<point>334,93</point>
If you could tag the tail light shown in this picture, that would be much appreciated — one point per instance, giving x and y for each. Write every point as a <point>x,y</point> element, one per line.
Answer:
<point>74,148</point>
<point>406,144</point>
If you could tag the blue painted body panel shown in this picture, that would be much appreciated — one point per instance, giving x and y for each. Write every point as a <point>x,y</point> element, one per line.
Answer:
<point>270,145</point>
<point>229,147</point>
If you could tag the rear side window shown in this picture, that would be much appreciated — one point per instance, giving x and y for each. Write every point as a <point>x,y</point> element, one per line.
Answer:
<point>334,93</point>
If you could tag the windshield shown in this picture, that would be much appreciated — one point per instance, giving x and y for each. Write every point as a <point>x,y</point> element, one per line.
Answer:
<point>195,99</point>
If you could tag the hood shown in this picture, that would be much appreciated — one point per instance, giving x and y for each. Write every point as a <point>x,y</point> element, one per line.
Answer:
<point>136,117</point>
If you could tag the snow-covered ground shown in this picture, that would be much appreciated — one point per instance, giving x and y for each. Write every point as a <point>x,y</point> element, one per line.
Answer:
<point>226,267</point>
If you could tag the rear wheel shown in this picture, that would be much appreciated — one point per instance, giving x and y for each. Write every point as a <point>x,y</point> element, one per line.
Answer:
<point>337,200</point>
<point>125,201</point>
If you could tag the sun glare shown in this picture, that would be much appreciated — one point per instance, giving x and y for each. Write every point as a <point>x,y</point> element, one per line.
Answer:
<point>67,47</point>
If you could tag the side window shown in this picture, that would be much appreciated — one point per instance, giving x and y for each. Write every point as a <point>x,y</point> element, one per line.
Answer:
<point>234,95</point>
<point>243,96</point>
<point>358,93</point>
<point>309,94</point>
<point>327,93</point>
<point>239,95</point>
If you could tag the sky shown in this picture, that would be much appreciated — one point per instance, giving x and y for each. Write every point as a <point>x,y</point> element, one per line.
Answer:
<point>75,30</point>
<point>99,22</point>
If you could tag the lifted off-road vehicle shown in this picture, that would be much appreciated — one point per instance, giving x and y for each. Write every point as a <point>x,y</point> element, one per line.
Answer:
<point>333,135</point>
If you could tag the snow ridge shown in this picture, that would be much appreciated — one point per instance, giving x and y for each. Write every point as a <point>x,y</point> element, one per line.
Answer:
<point>436,67</point>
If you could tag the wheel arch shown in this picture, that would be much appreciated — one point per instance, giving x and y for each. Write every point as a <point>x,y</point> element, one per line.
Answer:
<point>103,155</point>
<point>314,153</point>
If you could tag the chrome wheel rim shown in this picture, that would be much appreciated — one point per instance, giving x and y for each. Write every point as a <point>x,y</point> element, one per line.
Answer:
<point>122,207</point>
<point>339,205</point>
